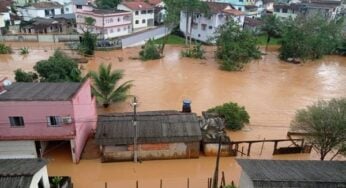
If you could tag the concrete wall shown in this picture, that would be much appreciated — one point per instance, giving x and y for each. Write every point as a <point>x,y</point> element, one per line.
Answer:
<point>151,151</point>
<point>211,149</point>
<point>245,181</point>
<point>17,149</point>
<point>40,38</point>
<point>41,174</point>
<point>141,37</point>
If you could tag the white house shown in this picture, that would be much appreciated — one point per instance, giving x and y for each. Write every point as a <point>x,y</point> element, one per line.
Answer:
<point>43,10</point>
<point>142,13</point>
<point>30,173</point>
<point>108,23</point>
<point>204,27</point>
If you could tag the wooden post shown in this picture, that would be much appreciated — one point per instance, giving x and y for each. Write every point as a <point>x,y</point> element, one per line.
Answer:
<point>249,149</point>
<point>275,146</point>
<point>188,183</point>
<point>137,184</point>
<point>236,149</point>
<point>242,150</point>
<point>160,183</point>
<point>262,146</point>
<point>223,180</point>
<point>105,184</point>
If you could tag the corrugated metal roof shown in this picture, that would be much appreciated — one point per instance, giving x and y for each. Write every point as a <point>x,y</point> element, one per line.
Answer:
<point>153,127</point>
<point>43,91</point>
<point>15,181</point>
<point>301,173</point>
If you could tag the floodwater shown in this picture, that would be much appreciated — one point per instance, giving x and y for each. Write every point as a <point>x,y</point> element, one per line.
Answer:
<point>270,90</point>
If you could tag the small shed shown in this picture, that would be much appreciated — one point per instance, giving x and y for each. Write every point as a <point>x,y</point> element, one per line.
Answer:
<point>30,173</point>
<point>160,135</point>
<point>292,173</point>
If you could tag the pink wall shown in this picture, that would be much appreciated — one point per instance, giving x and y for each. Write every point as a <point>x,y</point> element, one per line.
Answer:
<point>84,107</point>
<point>35,119</point>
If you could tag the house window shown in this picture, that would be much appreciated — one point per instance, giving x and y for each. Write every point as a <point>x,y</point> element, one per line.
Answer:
<point>136,13</point>
<point>284,10</point>
<point>143,21</point>
<point>62,11</point>
<point>239,8</point>
<point>46,12</point>
<point>241,1</point>
<point>67,9</point>
<point>143,12</point>
<point>194,25</point>
<point>150,11</point>
<point>54,121</point>
<point>204,26</point>
<point>137,22</point>
<point>118,19</point>
<point>16,121</point>
<point>79,6</point>
<point>210,27</point>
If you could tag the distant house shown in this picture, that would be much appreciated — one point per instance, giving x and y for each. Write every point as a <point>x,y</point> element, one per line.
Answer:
<point>28,173</point>
<point>204,26</point>
<point>142,13</point>
<point>326,8</point>
<point>159,10</point>
<point>297,174</point>
<point>109,23</point>
<point>253,24</point>
<point>160,135</point>
<point>5,13</point>
<point>47,9</point>
<point>48,25</point>
<point>250,8</point>
<point>35,114</point>
<point>268,5</point>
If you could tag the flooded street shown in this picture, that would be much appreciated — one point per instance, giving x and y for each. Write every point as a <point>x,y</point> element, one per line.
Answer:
<point>270,90</point>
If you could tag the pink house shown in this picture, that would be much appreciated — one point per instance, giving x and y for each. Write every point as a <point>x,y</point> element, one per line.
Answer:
<point>109,23</point>
<point>33,115</point>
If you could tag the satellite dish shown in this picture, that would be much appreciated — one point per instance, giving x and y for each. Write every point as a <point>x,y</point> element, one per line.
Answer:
<point>7,82</point>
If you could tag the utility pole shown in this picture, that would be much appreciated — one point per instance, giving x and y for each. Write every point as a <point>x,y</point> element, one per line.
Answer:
<point>134,105</point>
<point>216,172</point>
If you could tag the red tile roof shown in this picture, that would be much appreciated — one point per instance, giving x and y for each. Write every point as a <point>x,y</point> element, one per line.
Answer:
<point>233,12</point>
<point>4,4</point>
<point>151,2</point>
<point>43,5</point>
<point>137,5</point>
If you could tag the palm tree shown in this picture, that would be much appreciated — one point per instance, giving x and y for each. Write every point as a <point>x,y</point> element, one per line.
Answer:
<point>104,87</point>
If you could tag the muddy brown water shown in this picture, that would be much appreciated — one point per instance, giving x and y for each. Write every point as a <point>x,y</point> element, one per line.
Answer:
<point>270,90</point>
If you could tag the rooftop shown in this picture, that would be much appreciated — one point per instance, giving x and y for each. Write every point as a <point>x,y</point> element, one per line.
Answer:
<point>40,91</point>
<point>153,127</point>
<point>295,171</point>
<point>19,172</point>
<point>215,7</point>
<point>48,4</point>
<point>137,5</point>
<point>108,11</point>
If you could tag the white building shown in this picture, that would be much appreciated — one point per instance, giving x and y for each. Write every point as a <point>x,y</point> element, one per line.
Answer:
<point>204,27</point>
<point>43,10</point>
<point>108,23</point>
<point>30,173</point>
<point>142,14</point>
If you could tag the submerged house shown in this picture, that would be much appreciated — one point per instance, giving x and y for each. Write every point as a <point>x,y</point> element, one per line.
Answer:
<point>36,115</point>
<point>160,135</point>
<point>30,173</point>
<point>294,173</point>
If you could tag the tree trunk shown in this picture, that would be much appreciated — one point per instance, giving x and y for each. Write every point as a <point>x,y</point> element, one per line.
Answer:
<point>268,40</point>
<point>323,155</point>
<point>187,27</point>
<point>190,33</point>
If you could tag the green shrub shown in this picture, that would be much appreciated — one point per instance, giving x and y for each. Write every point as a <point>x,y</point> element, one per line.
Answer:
<point>5,49</point>
<point>150,51</point>
<point>22,76</point>
<point>235,116</point>
<point>24,50</point>
<point>196,52</point>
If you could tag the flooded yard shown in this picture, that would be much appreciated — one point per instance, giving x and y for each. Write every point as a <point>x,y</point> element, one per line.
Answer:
<point>270,90</point>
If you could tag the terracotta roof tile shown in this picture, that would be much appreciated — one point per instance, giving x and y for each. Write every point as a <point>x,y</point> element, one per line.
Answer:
<point>136,5</point>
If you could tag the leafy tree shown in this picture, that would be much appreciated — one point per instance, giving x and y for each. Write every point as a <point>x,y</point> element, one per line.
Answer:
<point>150,51</point>
<point>108,4</point>
<point>88,43</point>
<point>235,116</point>
<point>310,37</point>
<point>324,125</point>
<point>104,85</point>
<point>22,76</point>
<point>58,68</point>
<point>235,47</point>
<point>272,27</point>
